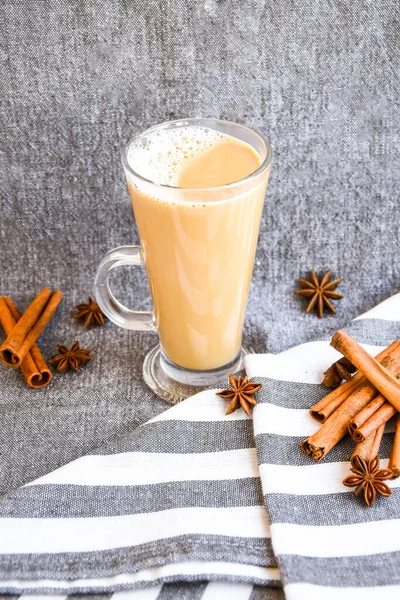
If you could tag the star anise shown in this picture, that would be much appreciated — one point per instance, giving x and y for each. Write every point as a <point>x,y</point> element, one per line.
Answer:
<point>368,477</point>
<point>70,359</point>
<point>320,292</point>
<point>341,369</point>
<point>90,312</point>
<point>241,394</point>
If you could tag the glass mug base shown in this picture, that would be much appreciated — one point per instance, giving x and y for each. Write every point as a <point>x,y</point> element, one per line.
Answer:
<point>174,383</point>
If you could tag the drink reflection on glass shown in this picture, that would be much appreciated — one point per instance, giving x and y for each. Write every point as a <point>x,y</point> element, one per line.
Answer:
<point>197,188</point>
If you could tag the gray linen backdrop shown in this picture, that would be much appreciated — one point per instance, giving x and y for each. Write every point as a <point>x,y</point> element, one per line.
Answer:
<point>78,79</point>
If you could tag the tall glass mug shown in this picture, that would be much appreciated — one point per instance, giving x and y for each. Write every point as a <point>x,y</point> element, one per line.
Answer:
<point>197,243</point>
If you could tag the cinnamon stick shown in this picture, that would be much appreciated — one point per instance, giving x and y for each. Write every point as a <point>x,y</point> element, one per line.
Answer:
<point>394,461</point>
<point>327,405</point>
<point>336,426</point>
<point>369,447</point>
<point>366,413</point>
<point>323,409</point>
<point>380,417</point>
<point>33,366</point>
<point>378,375</point>
<point>26,331</point>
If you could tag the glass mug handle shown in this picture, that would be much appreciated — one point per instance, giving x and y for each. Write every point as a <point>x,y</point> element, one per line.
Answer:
<point>118,313</point>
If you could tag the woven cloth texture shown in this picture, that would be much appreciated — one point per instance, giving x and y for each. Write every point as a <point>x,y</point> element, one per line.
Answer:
<point>79,79</point>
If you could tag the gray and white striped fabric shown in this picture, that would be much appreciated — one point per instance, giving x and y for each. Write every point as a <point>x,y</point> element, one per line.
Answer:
<point>327,543</point>
<point>178,500</point>
<point>195,504</point>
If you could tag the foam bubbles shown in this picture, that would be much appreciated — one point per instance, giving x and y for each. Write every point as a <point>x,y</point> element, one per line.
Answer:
<point>160,155</point>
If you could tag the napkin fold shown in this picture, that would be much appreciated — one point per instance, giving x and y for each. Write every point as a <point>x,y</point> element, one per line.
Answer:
<point>197,504</point>
<point>177,500</point>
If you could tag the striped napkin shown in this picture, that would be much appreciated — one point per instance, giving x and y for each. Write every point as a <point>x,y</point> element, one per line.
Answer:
<point>195,504</point>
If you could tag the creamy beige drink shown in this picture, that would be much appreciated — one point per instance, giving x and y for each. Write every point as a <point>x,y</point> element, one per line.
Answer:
<point>198,243</point>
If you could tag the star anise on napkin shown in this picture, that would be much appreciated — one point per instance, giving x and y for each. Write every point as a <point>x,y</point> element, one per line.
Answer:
<point>70,359</point>
<point>369,478</point>
<point>341,369</point>
<point>90,312</point>
<point>241,394</point>
<point>320,292</point>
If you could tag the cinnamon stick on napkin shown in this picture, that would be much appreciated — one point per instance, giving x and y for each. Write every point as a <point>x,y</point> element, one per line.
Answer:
<point>377,374</point>
<point>323,409</point>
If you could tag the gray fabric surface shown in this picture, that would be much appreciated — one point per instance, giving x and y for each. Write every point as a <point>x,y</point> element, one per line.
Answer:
<point>183,591</point>
<point>78,79</point>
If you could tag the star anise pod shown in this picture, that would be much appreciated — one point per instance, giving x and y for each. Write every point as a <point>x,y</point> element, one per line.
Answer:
<point>241,394</point>
<point>341,369</point>
<point>320,292</point>
<point>90,312</point>
<point>368,478</point>
<point>70,359</point>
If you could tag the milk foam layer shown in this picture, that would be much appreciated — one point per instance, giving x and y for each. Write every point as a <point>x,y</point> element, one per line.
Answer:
<point>161,155</point>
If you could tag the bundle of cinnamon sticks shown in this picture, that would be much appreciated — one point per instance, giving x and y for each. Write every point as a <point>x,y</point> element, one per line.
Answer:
<point>361,406</point>
<point>19,349</point>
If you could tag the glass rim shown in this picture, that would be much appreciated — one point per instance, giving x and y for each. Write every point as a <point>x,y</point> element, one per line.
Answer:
<point>266,163</point>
